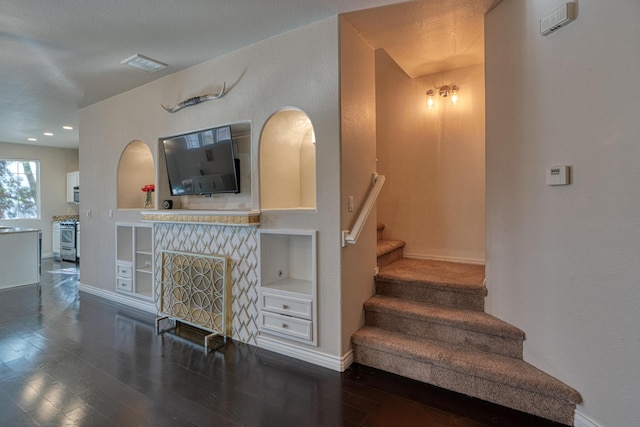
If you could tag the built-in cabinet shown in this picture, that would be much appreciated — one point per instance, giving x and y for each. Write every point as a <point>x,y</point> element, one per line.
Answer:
<point>288,301</point>
<point>134,259</point>
<point>73,181</point>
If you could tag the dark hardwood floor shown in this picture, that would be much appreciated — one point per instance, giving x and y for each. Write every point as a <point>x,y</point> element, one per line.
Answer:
<point>76,359</point>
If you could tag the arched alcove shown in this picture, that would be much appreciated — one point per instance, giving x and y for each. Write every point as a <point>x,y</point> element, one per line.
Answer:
<point>135,170</point>
<point>288,162</point>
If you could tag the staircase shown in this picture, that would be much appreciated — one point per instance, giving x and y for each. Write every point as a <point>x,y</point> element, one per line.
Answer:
<point>427,322</point>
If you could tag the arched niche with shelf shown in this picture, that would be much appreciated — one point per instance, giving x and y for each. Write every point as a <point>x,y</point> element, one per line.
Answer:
<point>288,162</point>
<point>135,170</point>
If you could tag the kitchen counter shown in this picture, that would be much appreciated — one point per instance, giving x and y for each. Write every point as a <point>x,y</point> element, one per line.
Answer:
<point>12,230</point>
<point>65,217</point>
<point>20,256</point>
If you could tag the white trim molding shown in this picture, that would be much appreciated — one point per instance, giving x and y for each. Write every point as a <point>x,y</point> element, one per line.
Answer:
<point>335,363</point>
<point>446,258</point>
<point>147,306</point>
<point>581,420</point>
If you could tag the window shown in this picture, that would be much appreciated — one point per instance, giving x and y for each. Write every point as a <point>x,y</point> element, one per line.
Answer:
<point>19,189</point>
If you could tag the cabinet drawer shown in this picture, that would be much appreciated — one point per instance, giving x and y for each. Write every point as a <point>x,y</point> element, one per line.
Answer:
<point>123,284</point>
<point>287,305</point>
<point>286,325</point>
<point>123,270</point>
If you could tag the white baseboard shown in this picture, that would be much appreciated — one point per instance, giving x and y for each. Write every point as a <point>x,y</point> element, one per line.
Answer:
<point>581,420</point>
<point>147,306</point>
<point>46,255</point>
<point>446,258</point>
<point>312,356</point>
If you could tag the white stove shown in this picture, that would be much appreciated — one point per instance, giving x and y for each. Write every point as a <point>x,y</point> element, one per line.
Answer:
<point>69,240</point>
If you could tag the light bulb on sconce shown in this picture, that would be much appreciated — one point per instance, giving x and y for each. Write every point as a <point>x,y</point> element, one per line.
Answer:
<point>454,95</point>
<point>430,101</point>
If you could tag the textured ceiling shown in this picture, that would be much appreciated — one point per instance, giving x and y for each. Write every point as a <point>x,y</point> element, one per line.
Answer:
<point>425,37</point>
<point>60,56</point>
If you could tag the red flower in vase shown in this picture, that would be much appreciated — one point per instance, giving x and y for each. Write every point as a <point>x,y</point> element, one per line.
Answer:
<point>149,188</point>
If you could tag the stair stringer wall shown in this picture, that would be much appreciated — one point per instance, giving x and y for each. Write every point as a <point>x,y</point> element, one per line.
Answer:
<point>358,162</point>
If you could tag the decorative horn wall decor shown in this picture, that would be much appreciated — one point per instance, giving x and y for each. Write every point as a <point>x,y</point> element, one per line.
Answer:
<point>195,100</point>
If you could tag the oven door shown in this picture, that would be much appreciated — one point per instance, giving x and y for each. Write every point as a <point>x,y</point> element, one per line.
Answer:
<point>67,237</point>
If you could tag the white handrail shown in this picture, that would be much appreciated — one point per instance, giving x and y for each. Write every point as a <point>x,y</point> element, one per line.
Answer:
<point>351,236</point>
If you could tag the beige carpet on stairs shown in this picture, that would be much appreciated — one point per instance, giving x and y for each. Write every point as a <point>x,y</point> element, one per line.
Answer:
<point>427,322</point>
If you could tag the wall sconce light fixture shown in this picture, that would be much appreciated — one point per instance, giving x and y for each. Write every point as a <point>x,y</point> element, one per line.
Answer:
<point>446,91</point>
<point>430,101</point>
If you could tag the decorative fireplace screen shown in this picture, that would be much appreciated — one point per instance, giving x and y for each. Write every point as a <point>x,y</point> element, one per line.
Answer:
<point>194,290</point>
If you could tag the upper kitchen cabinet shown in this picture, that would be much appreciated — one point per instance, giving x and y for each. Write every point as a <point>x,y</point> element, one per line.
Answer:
<point>73,187</point>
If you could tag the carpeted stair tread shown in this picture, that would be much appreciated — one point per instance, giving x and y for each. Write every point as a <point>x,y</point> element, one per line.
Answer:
<point>492,367</point>
<point>386,246</point>
<point>438,274</point>
<point>471,320</point>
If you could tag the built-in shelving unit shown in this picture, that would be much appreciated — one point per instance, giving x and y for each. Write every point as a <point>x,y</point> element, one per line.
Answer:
<point>288,302</point>
<point>134,259</point>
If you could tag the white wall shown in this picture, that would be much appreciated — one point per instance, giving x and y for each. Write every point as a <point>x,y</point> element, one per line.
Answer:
<point>54,165</point>
<point>297,69</point>
<point>563,262</point>
<point>357,101</point>
<point>434,162</point>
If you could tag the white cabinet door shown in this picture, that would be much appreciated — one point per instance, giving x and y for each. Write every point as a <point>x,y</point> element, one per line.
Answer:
<point>56,240</point>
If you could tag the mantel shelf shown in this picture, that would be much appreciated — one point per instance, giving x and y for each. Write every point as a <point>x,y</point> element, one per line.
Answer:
<point>214,217</point>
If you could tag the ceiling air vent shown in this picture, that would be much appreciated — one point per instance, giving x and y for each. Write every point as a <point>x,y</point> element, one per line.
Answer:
<point>560,17</point>
<point>145,63</point>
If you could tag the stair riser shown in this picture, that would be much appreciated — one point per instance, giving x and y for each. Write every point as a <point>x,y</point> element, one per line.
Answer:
<point>390,257</point>
<point>502,394</point>
<point>446,333</point>
<point>420,292</point>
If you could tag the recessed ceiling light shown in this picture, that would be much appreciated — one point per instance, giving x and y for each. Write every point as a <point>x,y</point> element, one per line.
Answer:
<point>47,134</point>
<point>67,127</point>
<point>32,139</point>
<point>144,63</point>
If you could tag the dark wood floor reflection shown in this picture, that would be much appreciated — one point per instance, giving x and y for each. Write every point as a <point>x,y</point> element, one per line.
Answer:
<point>69,359</point>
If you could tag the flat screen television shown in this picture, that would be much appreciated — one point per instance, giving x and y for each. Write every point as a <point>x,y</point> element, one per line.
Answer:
<point>202,162</point>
